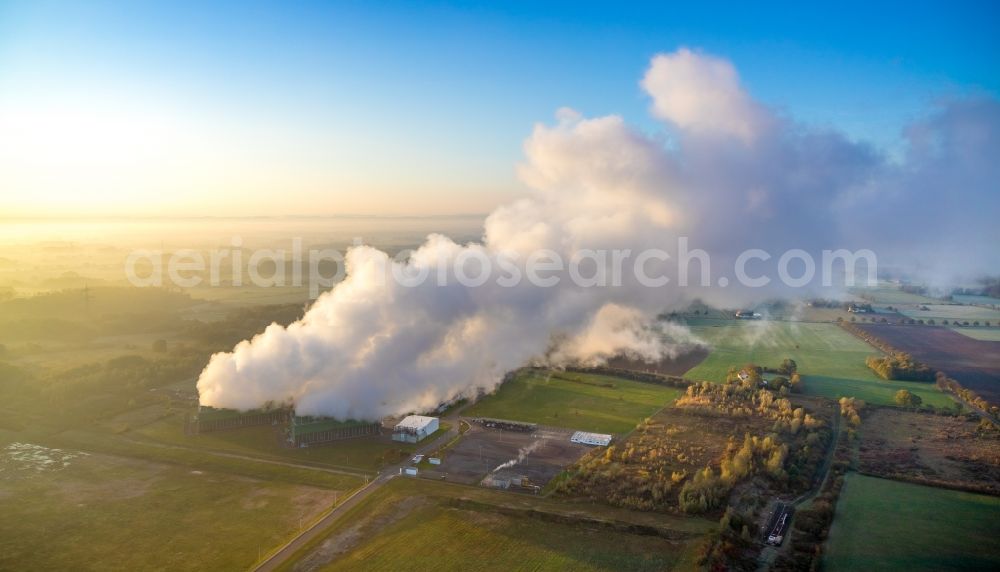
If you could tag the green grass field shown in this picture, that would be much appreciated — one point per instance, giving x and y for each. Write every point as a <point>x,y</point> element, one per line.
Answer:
<point>257,467</point>
<point>952,312</point>
<point>985,334</point>
<point>155,423</point>
<point>364,454</point>
<point>410,524</point>
<point>831,360</point>
<point>888,525</point>
<point>575,400</point>
<point>976,300</point>
<point>104,512</point>
<point>891,294</point>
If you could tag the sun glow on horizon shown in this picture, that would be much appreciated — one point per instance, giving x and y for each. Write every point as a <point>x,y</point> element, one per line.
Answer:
<point>141,109</point>
<point>69,155</point>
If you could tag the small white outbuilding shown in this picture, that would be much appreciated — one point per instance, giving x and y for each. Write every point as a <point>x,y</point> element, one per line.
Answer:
<point>414,428</point>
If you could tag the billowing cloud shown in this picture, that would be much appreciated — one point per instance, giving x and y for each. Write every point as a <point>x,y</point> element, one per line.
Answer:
<point>934,213</point>
<point>702,94</point>
<point>736,176</point>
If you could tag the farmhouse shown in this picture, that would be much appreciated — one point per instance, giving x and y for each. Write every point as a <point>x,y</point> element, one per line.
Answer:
<point>860,309</point>
<point>414,428</point>
<point>584,438</point>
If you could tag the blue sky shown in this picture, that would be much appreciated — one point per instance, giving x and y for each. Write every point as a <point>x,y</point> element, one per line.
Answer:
<point>363,106</point>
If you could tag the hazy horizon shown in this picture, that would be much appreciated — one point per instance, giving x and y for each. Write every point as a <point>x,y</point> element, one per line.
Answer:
<point>459,285</point>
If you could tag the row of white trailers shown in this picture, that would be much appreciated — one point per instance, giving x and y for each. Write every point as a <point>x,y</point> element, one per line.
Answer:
<point>585,438</point>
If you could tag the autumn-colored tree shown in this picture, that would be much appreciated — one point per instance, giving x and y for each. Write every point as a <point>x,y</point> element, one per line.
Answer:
<point>906,398</point>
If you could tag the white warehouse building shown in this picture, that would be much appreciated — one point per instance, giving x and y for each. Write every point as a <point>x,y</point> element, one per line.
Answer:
<point>414,428</point>
<point>585,438</point>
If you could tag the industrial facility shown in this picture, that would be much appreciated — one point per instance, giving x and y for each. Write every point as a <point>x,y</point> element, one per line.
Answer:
<point>209,419</point>
<point>414,428</point>
<point>506,425</point>
<point>515,482</point>
<point>300,431</point>
<point>584,438</point>
<point>306,431</point>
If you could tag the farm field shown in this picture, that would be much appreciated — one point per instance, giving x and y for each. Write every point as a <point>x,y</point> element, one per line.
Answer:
<point>582,401</point>
<point>976,300</point>
<point>974,363</point>
<point>888,525</point>
<point>812,314</point>
<point>874,390</point>
<point>931,449</point>
<point>257,467</point>
<point>149,515</point>
<point>403,526</point>
<point>667,366</point>
<point>366,454</point>
<point>831,360</point>
<point>952,312</point>
<point>222,299</point>
<point>61,356</point>
<point>984,334</point>
<point>892,295</point>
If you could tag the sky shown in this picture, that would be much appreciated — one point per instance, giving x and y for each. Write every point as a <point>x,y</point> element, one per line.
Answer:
<point>390,108</point>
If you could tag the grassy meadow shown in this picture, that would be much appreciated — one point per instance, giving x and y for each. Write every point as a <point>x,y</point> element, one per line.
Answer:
<point>984,334</point>
<point>363,455</point>
<point>976,300</point>
<point>890,525</point>
<point>891,294</point>
<point>89,365</point>
<point>149,515</point>
<point>258,467</point>
<point>413,524</point>
<point>831,360</point>
<point>587,402</point>
<point>952,312</point>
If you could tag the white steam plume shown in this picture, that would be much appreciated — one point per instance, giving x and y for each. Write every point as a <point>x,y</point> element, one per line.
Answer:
<point>522,454</point>
<point>735,176</point>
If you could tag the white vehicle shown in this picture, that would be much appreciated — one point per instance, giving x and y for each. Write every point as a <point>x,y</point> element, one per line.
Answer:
<point>775,538</point>
<point>416,459</point>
